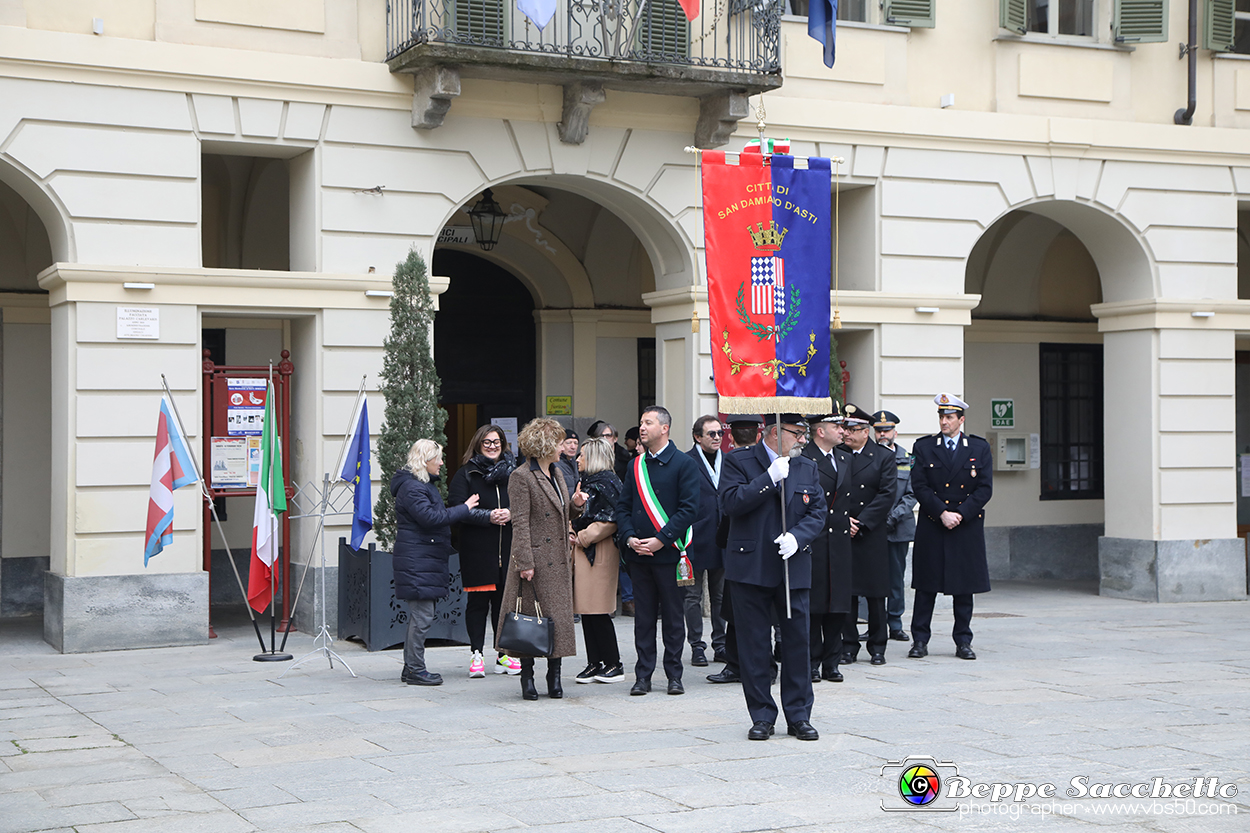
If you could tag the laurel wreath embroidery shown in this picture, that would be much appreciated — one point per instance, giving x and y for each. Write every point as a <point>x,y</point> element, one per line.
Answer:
<point>773,367</point>
<point>763,331</point>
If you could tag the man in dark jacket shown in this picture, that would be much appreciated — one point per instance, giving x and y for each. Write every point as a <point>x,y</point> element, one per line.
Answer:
<point>568,459</point>
<point>654,515</point>
<point>705,556</point>
<point>831,551</point>
<point>754,482</point>
<point>952,479</point>
<point>901,524</point>
<point>873,475</point>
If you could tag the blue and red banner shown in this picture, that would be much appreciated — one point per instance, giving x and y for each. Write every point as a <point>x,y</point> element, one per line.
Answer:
<point>768,240</point>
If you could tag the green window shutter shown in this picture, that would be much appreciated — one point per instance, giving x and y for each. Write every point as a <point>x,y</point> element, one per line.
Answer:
<point>918,14</point>
<point>1140,21</point>
<point>1219,25</point>
<point>1013,15</point>
<point>664,31</point>
<point>478,21</point>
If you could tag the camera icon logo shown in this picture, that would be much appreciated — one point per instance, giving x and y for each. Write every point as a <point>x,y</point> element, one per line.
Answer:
<point>916,784</point>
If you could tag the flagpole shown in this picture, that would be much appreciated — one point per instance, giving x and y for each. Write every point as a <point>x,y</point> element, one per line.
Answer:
<point>785,562</point>
<point>213,508</point>
<point>836,160</point>
<point>325,497</point>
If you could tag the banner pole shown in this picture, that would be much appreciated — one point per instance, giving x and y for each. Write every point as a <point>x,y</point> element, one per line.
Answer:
<point>785,562</point>
<point>213,508</point>
<point>272,655</point>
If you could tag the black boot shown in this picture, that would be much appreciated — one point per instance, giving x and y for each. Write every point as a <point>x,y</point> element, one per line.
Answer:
<point>528,692</point>
<point>554,690</point>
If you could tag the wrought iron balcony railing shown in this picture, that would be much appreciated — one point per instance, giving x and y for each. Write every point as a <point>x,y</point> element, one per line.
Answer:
<point>729,37</point>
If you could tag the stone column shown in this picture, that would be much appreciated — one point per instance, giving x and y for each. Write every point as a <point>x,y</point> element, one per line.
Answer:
<point>1170,407</point>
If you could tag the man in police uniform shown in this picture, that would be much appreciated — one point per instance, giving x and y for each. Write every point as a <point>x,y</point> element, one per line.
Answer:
<point>831,551</point>
<point>901,524</point>
<point>873,475</point>
<point>952,479</point>
<point>758,547</point>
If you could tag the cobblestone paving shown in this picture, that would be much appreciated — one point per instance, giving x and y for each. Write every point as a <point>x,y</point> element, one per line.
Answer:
<point>203,740</point>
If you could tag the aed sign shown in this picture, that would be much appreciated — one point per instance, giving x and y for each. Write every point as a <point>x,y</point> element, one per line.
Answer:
<point>1002,413</point>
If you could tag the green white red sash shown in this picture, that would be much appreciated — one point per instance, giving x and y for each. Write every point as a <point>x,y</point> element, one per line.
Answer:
<point>659,518</point>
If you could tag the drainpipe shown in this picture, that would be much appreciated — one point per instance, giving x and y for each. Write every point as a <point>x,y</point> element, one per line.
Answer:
<point>1186,116</point>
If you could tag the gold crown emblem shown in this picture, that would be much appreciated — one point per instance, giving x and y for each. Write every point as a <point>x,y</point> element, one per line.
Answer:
<point>944,400</point>
<point>767,239</point>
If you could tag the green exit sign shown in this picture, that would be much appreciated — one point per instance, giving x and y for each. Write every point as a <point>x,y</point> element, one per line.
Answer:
<point>1002,413</point>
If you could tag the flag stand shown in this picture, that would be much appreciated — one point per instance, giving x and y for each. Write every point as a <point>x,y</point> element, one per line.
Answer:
<point>324,639</point>
<point>213,506</point>
<point>272,655</point>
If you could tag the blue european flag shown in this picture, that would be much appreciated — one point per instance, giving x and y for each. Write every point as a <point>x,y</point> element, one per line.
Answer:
<point>356,472</point>
<point>822,23</point>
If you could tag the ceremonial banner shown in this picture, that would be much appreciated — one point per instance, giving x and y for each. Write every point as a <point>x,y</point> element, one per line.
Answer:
<point>768,240</point>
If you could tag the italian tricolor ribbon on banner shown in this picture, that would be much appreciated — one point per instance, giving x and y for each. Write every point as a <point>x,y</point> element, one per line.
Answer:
<point>659,518</point>
<point>768,242</point>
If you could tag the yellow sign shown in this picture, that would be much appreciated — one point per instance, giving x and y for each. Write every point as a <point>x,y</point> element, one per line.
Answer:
<point>559,406</point>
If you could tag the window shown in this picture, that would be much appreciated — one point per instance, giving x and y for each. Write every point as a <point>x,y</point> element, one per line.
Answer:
<point>855,11</point>
<point>1061,17</point>
<point>1241,28</point>
<point>1072,426</point>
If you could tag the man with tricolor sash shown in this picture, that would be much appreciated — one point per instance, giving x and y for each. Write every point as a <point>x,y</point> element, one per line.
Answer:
<point>657,508</point>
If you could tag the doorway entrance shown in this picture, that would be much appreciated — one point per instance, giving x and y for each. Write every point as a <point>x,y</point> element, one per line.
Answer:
<point>484,348</point>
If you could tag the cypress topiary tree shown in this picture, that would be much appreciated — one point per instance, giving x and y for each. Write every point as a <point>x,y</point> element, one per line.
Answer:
<point>409,383</point>
<point>835,372</point>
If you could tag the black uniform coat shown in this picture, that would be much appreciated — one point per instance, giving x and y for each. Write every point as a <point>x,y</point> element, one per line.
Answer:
<point>951,561</point>
<point>901,524</point>
<point>831,551</point>
<point>873,475</point>
<point>748,497</point>
<point>704,553</point>
<point>675,479</point>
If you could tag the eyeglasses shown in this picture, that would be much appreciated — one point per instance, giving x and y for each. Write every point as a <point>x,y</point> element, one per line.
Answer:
<point>714,434</point>
<point>793,432</point>
<point>491,443</point>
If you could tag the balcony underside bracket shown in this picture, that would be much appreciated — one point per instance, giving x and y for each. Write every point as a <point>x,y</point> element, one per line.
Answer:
<point>432,91</point>
<point>579,99</point>
<point>719,114</point>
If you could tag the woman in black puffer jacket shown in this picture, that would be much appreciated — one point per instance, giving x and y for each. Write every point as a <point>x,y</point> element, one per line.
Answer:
<point>485,542</point>
<point>422,548</point>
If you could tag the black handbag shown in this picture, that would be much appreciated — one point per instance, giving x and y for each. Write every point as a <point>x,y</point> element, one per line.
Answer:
<point>527,636</point>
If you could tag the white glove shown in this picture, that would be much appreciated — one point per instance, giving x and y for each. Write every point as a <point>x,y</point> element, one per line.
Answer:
<point>788,543</point>
<point>780,469</point>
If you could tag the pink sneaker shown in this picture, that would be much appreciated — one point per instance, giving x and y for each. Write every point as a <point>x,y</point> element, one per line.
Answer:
<point>508,665</point>
<point>477,667</point>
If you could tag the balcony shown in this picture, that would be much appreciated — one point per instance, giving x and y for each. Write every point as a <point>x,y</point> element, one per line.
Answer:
<point>729,52</point>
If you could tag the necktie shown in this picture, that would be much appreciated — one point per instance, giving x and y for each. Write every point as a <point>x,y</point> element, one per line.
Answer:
<point>950,444</point>
<point>832,461</point>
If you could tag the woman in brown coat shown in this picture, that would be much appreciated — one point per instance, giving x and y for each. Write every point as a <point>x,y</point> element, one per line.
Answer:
<point>596,562</point>
<point>542,563</point>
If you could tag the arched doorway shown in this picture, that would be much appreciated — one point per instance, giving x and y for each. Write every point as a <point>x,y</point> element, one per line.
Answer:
<point>25,407</point>
<point>1034,375</point>
<point>484,347</point>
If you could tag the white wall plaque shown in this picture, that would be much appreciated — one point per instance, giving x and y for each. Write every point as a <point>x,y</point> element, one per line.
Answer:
<point>138,322</point>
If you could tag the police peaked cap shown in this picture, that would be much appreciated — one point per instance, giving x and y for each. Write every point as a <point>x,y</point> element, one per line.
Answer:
<point>884,420</point>
<point>853,415</point>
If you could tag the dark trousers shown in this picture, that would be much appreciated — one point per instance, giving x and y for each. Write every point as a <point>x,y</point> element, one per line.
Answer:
<point>826,642</point>
<point>626,586</point>
<point>657,597</point>
<point>898,567</point>
<point>715,581</point>
<point>600,636</point>
<point>922,617</point>
<point>878,635</point>
<point>755,609</point>
<point>481,604</point>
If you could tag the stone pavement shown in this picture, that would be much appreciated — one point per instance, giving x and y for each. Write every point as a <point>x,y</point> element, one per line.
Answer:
<point>204,740</point>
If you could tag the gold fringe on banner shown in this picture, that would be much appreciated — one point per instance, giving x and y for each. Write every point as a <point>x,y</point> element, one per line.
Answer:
<point>765,405</point>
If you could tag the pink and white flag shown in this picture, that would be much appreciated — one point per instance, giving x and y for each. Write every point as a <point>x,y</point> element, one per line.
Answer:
<point>171,469</point>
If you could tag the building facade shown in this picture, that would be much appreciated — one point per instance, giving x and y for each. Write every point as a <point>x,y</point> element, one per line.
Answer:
<point>1021,221</point>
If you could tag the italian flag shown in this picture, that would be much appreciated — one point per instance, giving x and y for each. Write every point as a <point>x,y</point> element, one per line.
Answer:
<point>270,504</point>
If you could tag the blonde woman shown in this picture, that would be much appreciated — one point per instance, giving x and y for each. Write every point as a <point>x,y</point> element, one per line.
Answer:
<point>422,548</point>
<point>542,563</point>
<point>596,561</point>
